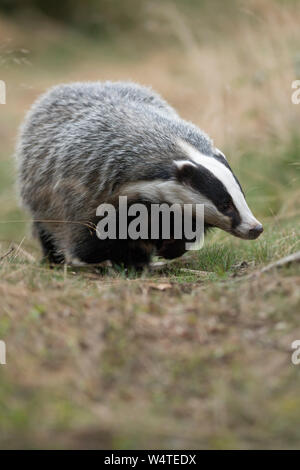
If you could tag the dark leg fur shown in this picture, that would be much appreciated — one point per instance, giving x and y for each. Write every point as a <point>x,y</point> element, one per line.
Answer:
<point>171,249</point>
<point>50,252</point>
<point>92,250</point>
<point>89,249</point>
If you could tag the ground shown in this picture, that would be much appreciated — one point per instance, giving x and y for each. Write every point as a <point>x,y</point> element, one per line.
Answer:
<point>196,354</point>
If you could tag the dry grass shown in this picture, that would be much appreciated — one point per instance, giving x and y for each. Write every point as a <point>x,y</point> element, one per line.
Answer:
<point>195,355</point>
<point>159,363</point>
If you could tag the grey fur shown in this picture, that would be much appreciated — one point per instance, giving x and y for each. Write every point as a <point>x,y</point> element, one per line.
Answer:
<point>81,142</point>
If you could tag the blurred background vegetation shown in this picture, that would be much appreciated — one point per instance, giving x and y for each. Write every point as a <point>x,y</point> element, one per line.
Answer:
<point>106,17</point>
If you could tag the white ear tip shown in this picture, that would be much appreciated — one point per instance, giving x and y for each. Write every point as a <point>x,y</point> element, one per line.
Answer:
<point>182,163</point>
<point>218,152</point>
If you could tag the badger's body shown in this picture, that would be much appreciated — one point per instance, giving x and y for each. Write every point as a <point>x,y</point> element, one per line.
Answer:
<point>84,144</point>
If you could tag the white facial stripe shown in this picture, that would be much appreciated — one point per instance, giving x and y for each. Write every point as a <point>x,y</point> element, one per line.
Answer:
<point>227,178</point>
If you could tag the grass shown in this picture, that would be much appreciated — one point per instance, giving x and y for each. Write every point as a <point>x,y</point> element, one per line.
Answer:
<point>197,354</point>
<point>85,351</point>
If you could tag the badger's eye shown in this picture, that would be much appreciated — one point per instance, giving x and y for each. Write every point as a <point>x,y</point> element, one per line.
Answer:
<point>226,206</point>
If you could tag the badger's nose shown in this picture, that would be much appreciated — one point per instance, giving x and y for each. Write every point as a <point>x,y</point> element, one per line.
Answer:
<point>255,231</point>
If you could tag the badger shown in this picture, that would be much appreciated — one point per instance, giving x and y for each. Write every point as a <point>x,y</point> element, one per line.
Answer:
<point>83,144</point>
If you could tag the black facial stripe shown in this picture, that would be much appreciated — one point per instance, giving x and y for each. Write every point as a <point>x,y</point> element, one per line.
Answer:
<point>202,180</point>
<point>234,216</point>
<point>205,182</point>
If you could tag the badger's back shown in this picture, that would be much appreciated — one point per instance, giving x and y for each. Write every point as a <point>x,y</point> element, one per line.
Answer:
<point>83,140</point>
<point>72,130</point>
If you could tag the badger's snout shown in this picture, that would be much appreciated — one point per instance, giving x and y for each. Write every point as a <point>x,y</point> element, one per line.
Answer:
<point>250,233</point>
<point>255,232</point>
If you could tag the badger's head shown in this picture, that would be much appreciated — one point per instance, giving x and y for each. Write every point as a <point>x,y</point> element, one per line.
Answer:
<point>210,179</point>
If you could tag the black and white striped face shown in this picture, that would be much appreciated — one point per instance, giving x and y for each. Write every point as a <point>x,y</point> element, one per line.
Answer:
<point>211,178</point>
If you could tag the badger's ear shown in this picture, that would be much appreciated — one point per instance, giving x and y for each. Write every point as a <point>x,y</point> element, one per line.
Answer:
<point>218,153</point>
<point>184,169</point>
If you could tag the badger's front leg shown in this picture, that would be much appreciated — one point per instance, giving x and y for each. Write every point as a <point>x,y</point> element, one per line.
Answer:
<point>171,249</point>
